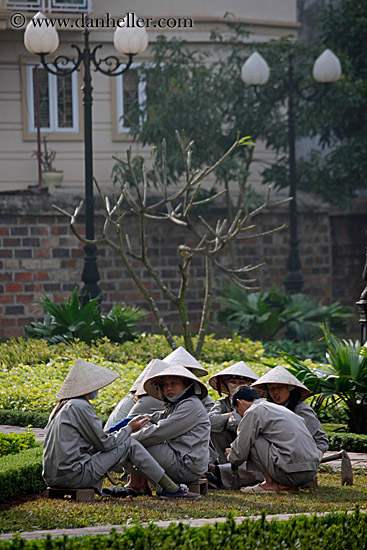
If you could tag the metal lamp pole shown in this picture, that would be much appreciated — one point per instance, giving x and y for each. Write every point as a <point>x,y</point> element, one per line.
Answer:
<point>60,66</point>
<point>255,72</point>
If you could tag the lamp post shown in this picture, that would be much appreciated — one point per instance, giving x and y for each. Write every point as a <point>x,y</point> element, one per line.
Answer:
<point>129,39</point>
<point>255,72</point>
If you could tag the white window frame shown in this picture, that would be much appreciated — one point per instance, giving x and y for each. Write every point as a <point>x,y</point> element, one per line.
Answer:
<point>52,87</point>
<point>50,6</point>
<point>121,129</point>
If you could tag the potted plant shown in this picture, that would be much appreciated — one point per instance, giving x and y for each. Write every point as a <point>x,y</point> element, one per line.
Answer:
<point>50,176</point>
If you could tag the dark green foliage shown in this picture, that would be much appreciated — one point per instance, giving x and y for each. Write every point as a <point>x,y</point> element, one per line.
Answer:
<point>337,530</point>
<point>343,378</point>
<point>21,474</point>
<point>15,443</point>
<point>340,119</point>
<point>263,315</point>
<point>72,319</point>
<point>308,349</point>
<point>353,443</point>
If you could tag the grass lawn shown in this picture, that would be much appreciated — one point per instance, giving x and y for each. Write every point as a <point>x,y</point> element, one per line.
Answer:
<point>42,514</point>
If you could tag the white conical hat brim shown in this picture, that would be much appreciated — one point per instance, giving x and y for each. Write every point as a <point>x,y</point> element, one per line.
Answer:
<point>279,375</point>
<point>238,369</point>
<point>152,386</point>
<point>182,357</point>
<point>84,377</point>
<point>155,367</point>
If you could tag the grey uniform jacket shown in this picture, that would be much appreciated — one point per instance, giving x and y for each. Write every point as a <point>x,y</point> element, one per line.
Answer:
<point>293,449</point>
<point>72,436</point>
<point>185,427</point>
<point>313,425</point>
<point>220,416</point>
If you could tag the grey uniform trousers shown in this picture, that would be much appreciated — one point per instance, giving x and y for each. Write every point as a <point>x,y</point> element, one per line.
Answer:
<point>129,455</point>
<point>260,460</point>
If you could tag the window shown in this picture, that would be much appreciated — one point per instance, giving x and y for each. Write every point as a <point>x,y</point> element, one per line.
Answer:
<point>129,92</point>
<point>57,99</point>
<point>51,5</point>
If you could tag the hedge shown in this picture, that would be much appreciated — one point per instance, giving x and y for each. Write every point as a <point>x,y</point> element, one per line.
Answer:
<point>21,474</point>
<point>339,530</point>
<point>29,418</point>
<point>354,443</point>
<point>14,443</point>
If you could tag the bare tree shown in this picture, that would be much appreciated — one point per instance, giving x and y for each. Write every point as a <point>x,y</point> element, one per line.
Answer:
<point>178,207</point>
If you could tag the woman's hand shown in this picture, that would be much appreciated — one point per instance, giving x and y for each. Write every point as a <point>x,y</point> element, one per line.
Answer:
<point>137,423</point>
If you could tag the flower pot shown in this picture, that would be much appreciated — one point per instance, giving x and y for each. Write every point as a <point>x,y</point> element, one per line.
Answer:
<point>53,178</point>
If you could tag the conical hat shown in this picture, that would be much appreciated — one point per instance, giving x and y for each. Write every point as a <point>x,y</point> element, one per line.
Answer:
<point>182,357</point>
<point>279,375</point>
<point>238,369</point>
<point>84,377</point>
<point>153,368</point>
<point>152,385</point>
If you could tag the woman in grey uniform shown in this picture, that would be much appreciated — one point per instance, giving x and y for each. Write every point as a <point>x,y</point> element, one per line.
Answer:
<point>178,437</point>
<point>282,388</point>
<point>223,418</point>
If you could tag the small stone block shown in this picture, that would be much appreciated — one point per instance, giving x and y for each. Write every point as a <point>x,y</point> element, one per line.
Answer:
<point>79,495</point>
<point>200,486</point>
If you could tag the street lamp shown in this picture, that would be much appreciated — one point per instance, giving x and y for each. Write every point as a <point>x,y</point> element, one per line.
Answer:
<point>255,72</point>
<point>130,39</point>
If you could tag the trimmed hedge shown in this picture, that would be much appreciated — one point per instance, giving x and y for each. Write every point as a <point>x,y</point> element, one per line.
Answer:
<point>15,443</point>
<point>23,418</point>
<point>21,474</point>
<point>29,418</point>
<point>354,443</point>
<point>308,533</point>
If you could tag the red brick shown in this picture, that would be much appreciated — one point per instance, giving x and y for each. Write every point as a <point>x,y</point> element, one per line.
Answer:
<point>24,298</point>
<point>41,253</point>
<point>6,298</point>
<point>41,276</point>
<point>58,230</point>
<point>13,332</point>
<point>6,253</point>
<point>13,287</point>
<point>6,277</point>
<point>4,230</point>
<point>23,276</point>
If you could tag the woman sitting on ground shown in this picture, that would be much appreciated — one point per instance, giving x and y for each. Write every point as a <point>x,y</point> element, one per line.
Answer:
<point>178,437</point>
<point>281,387</point>
<point>223,418</point>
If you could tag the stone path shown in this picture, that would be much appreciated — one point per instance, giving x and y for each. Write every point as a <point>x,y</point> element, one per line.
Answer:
<point>359,460</point>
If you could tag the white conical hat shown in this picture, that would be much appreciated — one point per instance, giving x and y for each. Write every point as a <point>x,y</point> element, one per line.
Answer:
<point>237,369</point>
<point>84,377</point>
<point>152,385</point>
<point>153,368</point>
<point>180,356</point>
<point>279,375</point>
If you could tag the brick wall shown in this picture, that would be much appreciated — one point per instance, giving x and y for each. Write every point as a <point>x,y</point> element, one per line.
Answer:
<point>39,256</point>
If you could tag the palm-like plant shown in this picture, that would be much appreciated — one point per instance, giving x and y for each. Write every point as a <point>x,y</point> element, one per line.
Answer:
<point>72,319</point>
<point>343,378</point>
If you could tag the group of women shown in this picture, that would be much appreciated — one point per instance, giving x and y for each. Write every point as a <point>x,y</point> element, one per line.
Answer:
<point>167,431</point>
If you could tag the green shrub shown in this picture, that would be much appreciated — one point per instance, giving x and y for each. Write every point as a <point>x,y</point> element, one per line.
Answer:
<point>14,443</point>
<point>21,474</point>
<point>338,530</point>
<point>74,320</point>
<point>265,314</point>
<point>23,418</point>
<point>353,443</point>
<point>310,349</point>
